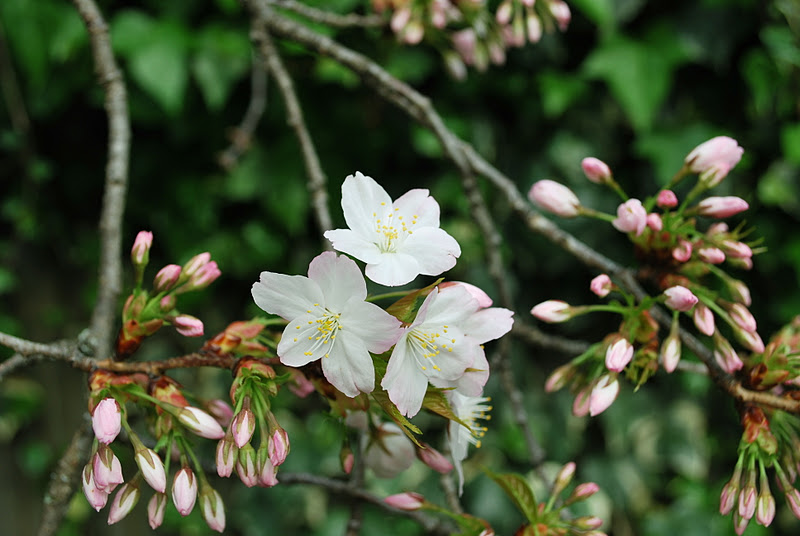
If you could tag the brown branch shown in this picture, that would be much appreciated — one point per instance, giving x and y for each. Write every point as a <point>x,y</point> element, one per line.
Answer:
<point>157,368</point>
<point>242,135</point>
<point>116,105</point>
<point>294,116</point>
<point>328,18</point>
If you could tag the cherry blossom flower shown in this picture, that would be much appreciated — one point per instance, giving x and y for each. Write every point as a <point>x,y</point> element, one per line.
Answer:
<point>714,158</point>
<point>398,240</point>
<point>631,217</point>
<point>618,355</point>
<point>389,452</point>
<point>601,285</point>
<point>468,409</point>
<point>329,320</point>
<point>603,394</point>
<point>680,298</point>
<point>443,341</point>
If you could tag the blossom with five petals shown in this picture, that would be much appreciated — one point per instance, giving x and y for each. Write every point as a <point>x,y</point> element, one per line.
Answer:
<point>398,240</point>
<point>329,320</point>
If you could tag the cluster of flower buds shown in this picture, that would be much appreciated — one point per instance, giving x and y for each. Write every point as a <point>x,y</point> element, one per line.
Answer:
<point>477,36</point>
<point>173,415</point>
<point>254,385</point>
<point>145,312</point>
<point>678,259</point>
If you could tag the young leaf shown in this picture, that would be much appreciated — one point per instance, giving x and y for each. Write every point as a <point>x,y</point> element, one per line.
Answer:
<point>519,491</point>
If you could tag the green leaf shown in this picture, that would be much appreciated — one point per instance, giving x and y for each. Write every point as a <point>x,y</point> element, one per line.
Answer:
<point>790,142</point>
<point>382,398</point>
<point>222,58</point>
<point>405,309</point>
<point>517,488</point>
<point>127,29</point>
<point>559,91</point>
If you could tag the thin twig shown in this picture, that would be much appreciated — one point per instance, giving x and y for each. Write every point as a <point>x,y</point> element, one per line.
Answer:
<point>328,18</point>
<point>116,182</point>
<point>317,180</point>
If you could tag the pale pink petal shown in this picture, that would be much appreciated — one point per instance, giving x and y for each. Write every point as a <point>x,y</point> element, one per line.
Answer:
<point>378,329</point>
<point>287,296</point>
<point>297,342</point>
<point>359,246</point>
<point>361,196</point>
<point>339,278</point>
<point>394,269</point>
<point>488,324</point>
<point>418,204</point>
<point>450,305</point>
<point>349,366</point>
<point>405,382</point>
<point>434,249</point>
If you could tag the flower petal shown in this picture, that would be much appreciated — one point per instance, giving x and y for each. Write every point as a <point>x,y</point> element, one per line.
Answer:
<point>339,278</point>
<point>394,269</point>
<point>354,244</point>
<point>450,305</point>
<point>296,346</point>
<point>360,197</point>
<point>488,324</point>
<point>287,296</point>
<point>404,381</point>
<point>378,329</point>
<point>349,366</point>
<point>434,249</point>
<point>417,204</point>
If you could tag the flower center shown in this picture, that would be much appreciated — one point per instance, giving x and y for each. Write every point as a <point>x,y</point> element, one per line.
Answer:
<point>427,346</point>
<point>327,326</point>
<point>474,409</point>
<point>392,229</point>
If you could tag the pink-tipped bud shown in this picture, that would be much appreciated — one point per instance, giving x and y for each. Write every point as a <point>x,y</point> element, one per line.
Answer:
<point>195,263</point>
<point>739,523</point>
<point>725,355</point>
<point>156,507</point>
<point>747,501</point>
<point>563,478</point>
<point>555,198</point>
<point>188,326</point>
<point>140,253</point>
<point>184,491</point>
<point>583,492</point>
<point>561,13</point>
<point>243,426</point>
<point>246,466</point>
<point>166,278</point>
<point>533,27</point>
<point>711,255</point>
<point>765,507</point>
<point>227,453</point>
<point>97,497</point>
<point>603,394</point>
<point>587,523</point>
<point>221,410</point>
<point>167,304</point>
<point>124,501</point>
<point>721,207</point>
<point>727,499</point>
<point>618,355</point>
<point>793,500</point>
<point>601,285</point>
<point>152,469</point>
<point>408,501</point>
<point>434,459</point>
<point>483,299</point>
<point>559,378</point>
<point>267,473</point>
<point>743,318</point>
<point>704,319</point>
<point>671,352</point>
<point>737,250</point>
<point>596,170</point>
<point>683,251</point>
<point>680,298</point>
<point>204,276</point>
<point>750,340</point>
<point>278,446</point>
<point>212,508</point>
<point>654,222</point>
<point>503,13</point>
<point>107,420</point>
<point>580,406</point>
<point>631,217</point>
<point>347,460</point>
<point>107,469</point>
<point>739,292</point>
<point>713,159</point>
<point>201,423</point>
<point>667,199</point>
<point>552,311</point>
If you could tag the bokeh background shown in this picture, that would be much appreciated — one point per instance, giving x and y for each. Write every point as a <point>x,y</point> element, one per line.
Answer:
<point>635,83</point>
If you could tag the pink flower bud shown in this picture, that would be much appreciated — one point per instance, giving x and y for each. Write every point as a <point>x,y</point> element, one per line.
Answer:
<point>188,326</point>
<point>580,406</point>
<point>243,426</point>
<point>596,170</point>
<point>559,378</point>
<point>561,13</point>
<point>747,501</point>
<point>267,473</point>
<point>667,199</point>
<point>750,340</point>
<point>106,469</point>
<point>221,410</point>
<point>166,278</point>
<point>107,420</point>
<point>152,469</point>
<point>714,159</point>
<point>717,228</point>
<point>347,460</point>
<point>408,501</point>
<point>555,198</point>
<point>278,446</point>
<point>195,263</point>
<point>533,27</point>
<point>552,311</point>
<point>97,497</point>
<point>563,478</point>
<point>200,423</point>
<point>739,523</point>
<point>464,43</point>
<point>721,207</point>
<point>167,304</point>
<point>704,319</point>
<point>246,466</point>
<point>765,507</point>
<point>601,285</point>
<point>212,509</point>
<point>742,316</point>
<point>141,248</point>
<point>744,264</point>
<point>226,456</point>
<point>587,522</point>
<point>124,501</point>
<point>618,355</point>
<point>737,250</point>
<point>631,217</point>
<point>504,12</point>
<point>727,499</point>
<point>671,352</point>
<point>739,292</point>
<point>483,299</point>
<point>603,394</point>
<point>654,222</point>
<point>793,500</point>
<point>434,459</point>
<point>184,491</point>
<point>400,19</point>
<point>583,491</point>
<point>204,276</point>
<point>156,507</point>
<point>711,255</point>
<point>680,298</point>
<point>683,251</point>
<point>725,355</point>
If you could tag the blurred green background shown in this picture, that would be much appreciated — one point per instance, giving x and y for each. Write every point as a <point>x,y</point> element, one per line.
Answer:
<point>637,84</point>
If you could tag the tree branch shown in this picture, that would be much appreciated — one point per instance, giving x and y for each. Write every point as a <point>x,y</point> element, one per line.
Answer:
<point>116,181</point>
<point>328,18</point>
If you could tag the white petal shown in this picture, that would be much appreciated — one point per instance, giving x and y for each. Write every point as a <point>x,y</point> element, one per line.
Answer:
<point>354,244</point>
<point>361,198</point>
<point>488,324</point>
<point>404,381</point>
<point>395,269</point>
<point>453,305</point>
<point>339,278</point>
<point>417,204</point>
<point>375,327</point>
<point>472,382</point>
<point>295,343</point>
<point>435,250</point>
<point>287,296</point>
<point>349,366</point>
